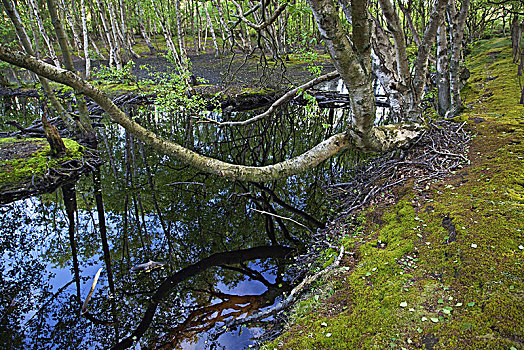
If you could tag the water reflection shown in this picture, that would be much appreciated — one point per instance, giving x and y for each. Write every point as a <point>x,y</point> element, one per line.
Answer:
<point>225,244</point>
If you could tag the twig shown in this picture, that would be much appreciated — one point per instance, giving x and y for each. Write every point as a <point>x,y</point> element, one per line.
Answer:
<point>286,97</point>
<point>93,286</point>
<point>281,217</point>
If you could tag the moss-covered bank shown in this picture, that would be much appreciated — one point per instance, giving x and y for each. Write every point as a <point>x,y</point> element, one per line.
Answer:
<point>443,267</point>
<point>27,168</point>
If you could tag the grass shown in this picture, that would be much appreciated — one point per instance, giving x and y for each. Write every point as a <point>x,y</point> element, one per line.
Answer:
<point>442,268</point>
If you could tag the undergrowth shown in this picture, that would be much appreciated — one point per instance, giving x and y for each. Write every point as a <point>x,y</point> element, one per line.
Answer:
<point>441,268</point>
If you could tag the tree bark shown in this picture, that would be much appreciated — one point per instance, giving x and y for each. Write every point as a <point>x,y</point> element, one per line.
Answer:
<point>444,98</point>
<point>210,24</point>
<point>456,34</point>
<point>43,32</point>
<point>84,121</point>
<point>26,44</point>
<point>86,40</point>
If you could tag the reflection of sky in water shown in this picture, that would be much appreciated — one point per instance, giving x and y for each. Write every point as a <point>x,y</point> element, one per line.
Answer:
<point>203,220</point>
<point>56,276</point>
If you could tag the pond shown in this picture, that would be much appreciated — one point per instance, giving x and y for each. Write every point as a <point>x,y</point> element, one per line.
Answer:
<point>226,248</point>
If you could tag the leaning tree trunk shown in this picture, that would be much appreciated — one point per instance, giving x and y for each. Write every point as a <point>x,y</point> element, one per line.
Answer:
<point>210,24</point>
<point>43,33</point>
<point>71,22</point>
<point>84,121</point>
<point>143,31</point>
<point>114,55</point>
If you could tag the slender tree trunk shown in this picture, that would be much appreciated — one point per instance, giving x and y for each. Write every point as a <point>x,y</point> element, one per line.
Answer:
<point>68,63</point>
<point>444,98</point>
<point>181,44</point>
<point>86,40</point>
<point>69,195</point>
<point>97,187</point>
<point>71,22</point>
<point>26,44</point>
<point>516,31</point>
<point>457,21</point>
<point>143,31</point>
<point>114,55</point>
<point>210,24</point>
<point>229,34</point>
<point>43,32</point>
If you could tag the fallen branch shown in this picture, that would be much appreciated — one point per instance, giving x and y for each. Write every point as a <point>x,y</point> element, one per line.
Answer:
<point>288,96</point>
<point>281,217</point>
<point>93,286</point>
<point>290,298</point>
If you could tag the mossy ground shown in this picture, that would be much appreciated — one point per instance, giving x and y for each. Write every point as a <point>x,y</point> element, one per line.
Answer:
<point>443,267</point>
<point>22,160</point>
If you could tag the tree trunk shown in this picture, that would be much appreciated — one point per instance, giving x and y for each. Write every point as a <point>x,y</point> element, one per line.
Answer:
<point>444,98</point>
<point>181,44</point>
<point>43,33</point>
<point>84,121</point>
<point>457,22</point>
<point>143,31</point>
<point>67,14</point>
<point>114,55</point>
<point>515,37</point>
<point>86,40</point>
<point>26,44</point>
<point>210,24</point>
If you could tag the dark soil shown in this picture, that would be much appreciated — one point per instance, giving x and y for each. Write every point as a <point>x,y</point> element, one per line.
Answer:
<point>232,70</point>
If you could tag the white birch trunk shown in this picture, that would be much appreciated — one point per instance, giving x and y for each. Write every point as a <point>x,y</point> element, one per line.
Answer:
<point>86,40</point>
<point>210,24</point>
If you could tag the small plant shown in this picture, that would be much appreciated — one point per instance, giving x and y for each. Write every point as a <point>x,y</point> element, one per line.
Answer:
<point>112,75</point>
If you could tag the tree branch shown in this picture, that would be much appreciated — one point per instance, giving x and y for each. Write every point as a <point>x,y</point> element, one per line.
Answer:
<point>288,96</point>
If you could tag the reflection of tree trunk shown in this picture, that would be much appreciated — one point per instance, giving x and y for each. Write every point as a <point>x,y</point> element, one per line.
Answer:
<point>97,183</point>
<point>288,207</point>
<point>172,281</point>
<point>166,229</point>
<point>138,195</point>
<point>69,195</point>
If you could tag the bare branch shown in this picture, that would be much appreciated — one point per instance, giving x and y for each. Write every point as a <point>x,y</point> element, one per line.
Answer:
<point>288,96</point>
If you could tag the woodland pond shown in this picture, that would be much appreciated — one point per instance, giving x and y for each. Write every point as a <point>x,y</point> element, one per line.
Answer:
<point>160,210</point>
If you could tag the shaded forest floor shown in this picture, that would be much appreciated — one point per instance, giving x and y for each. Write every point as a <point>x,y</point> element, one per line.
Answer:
<point>442,267</point>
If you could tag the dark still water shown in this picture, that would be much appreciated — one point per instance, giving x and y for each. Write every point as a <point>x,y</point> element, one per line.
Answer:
<point>226,247</point>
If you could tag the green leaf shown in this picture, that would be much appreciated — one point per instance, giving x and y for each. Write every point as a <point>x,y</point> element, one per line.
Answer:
<point>471,304</point>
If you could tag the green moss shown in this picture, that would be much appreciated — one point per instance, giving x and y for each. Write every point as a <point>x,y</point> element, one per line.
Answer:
<point>462,282</point>
<point>34,161</point>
